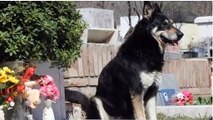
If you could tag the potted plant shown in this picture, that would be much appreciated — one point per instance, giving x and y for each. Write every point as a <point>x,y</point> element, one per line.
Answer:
<point>40,31</point>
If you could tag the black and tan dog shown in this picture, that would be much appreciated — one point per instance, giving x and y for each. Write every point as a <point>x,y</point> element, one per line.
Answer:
<point>128,84</point>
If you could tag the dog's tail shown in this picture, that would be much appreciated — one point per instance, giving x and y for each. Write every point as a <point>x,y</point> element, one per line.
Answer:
<point>87,104</point>
<point>79,98</point>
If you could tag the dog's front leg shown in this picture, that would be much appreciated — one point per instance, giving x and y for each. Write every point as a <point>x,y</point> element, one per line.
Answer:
<point>151,109</point>
<point>138,107</point>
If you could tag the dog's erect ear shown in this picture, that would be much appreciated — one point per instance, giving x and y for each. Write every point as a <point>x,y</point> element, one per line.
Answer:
<point>150,8</point>
<point>157,8</point>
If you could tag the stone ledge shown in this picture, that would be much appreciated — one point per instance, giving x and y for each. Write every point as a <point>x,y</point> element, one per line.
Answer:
<point>88,91</point>
<point>200,91</point>
<point>93,81</point>
<point>73,88</point>
<point>191,111</point>
<point>81,82</point>
<point>76,82</point>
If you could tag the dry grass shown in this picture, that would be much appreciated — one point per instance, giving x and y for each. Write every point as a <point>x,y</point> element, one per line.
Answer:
<point>161,116</point>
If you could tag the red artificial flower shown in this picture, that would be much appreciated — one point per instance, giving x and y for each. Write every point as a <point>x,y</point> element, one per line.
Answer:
<point>20,88</point>
<point>28,73</point>
<point>9,99</point>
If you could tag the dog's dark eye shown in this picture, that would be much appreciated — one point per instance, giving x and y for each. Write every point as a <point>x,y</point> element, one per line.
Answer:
<point>165,24</point>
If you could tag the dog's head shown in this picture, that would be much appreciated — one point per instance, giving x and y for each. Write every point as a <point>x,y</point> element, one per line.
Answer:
<point>161,27</point>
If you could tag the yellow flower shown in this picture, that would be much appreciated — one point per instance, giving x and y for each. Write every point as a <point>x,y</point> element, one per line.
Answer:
<point>7,70</point>
<point>2,72</point>
<point>3,76</point>
<point>12,79</point>
<point>4,80</point>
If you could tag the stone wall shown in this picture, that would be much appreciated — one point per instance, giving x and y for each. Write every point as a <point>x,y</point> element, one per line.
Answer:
<point>192,74</point>
<point>85,85</point>
<point>83,74</point>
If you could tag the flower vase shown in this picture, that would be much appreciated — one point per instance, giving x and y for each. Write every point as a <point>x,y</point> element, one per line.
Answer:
<point>1,113</point>
<point>48,111</point>
<point>17,111</point>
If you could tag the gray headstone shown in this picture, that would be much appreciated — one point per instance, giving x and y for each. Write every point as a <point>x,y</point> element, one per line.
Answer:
<point>172,55</point>
<point>98,18</point>
<point>168,88</point>
<point>169,82</point>
<point>45,68</point>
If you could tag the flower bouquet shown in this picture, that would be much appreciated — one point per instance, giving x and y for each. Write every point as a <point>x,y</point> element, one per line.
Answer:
<point>12,85</point>
<point>184,98</point>
<point>48,88</point>
<point>8,83</point>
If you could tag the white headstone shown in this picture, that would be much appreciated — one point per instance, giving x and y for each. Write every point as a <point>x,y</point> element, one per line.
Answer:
<point>204,26</point>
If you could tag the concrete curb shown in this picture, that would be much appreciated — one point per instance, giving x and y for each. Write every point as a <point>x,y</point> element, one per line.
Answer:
<point>191,111</point>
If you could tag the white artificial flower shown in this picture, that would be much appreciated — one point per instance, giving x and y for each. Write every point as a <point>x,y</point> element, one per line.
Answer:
<point>12,103</point>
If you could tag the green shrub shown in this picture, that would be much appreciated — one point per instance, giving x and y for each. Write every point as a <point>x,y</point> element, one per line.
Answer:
<point>40,31</point>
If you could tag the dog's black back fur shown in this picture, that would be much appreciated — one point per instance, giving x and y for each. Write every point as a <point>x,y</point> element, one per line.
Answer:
<point>121,76</point>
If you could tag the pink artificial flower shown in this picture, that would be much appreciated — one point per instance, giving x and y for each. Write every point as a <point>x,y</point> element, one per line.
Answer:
<point>184,97</point>
<point>48,88</point>
<point>188,96</point>
<point>46,79</point>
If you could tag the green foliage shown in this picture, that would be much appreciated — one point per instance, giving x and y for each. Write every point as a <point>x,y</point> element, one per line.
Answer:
<point>40,31</point>
<point>204,101</point>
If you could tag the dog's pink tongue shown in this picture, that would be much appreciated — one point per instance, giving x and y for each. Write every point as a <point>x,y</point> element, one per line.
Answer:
<point>175,43</point>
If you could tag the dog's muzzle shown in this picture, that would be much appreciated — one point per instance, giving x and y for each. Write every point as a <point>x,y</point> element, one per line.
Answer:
<point>171,37</point>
